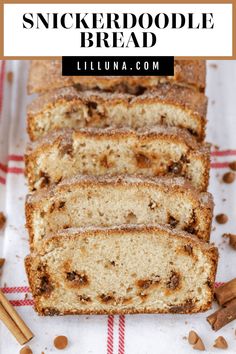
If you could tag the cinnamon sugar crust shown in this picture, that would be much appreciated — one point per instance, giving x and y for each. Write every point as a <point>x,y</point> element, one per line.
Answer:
<point>168,105</point>
<point>46,75</point>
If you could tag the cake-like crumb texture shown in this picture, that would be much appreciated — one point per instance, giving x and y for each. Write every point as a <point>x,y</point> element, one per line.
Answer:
<point>152,152</point>
<point>85,200</point>
<point>45,75</point>
<point>122,270</point>
<point>169,105</point>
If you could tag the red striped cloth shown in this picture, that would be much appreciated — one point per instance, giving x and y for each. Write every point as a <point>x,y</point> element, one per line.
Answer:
<point>11,172</point>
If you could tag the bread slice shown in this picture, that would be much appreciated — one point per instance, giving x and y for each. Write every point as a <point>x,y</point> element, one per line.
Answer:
<point>46,75</point>
<point>154,152</point>
<point>169,105</point>
<point>122,270</point>
<point>83,201</point>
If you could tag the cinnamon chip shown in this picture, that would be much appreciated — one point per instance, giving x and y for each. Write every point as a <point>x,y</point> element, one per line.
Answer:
<point>221,218</point>
<point>10,76</point>
<point>26,350</point>
<point>220,343</point>
<point>2,220</point>
<point>2,261</point>
<point>199,345</point>
<point>229,177</point>
<point>232,240</point>
<point>192,337</point>
<point>232,165</point>
<point>60,342</point>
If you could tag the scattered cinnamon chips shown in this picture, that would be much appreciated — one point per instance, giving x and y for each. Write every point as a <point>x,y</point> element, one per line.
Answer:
<point>196,341</point>
<point>60,342</point>
<point>26,350</point>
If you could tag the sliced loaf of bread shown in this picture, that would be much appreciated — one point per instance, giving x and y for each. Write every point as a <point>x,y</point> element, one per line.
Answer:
<point>125,270</point>
<point>161,151</point>
<point>46,75</point>
<point>104,201</point>
<point>169,105</point>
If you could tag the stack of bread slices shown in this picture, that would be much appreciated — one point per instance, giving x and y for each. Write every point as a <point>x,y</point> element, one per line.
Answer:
<point>118,213</point>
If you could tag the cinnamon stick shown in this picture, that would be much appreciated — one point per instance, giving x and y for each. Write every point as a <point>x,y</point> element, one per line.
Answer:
<point>11,325</point>
<point>223,316</point>
<point>13,321</point>
<point>226,292</point>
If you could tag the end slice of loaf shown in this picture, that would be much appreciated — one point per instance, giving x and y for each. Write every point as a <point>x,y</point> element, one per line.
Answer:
<point>154,152</point>
<point>122,270</point>
<point>46,75</point>
<point>105,201</point>
<point>169,105</point>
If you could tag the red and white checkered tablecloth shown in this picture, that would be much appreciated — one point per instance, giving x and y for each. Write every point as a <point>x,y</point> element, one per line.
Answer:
<point>138,334</point>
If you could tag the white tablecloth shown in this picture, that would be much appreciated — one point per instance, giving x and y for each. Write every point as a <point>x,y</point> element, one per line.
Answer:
<point>138,334</point>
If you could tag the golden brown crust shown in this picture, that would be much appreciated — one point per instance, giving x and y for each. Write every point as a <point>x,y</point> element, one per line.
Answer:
<point>56,241</point>
<point>175,183</point>
<point>191,102</point>
<point>46,75</point>
<point>179,135</point>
